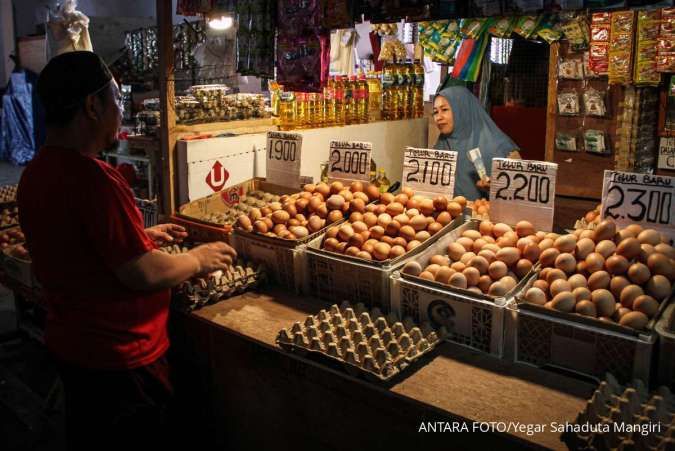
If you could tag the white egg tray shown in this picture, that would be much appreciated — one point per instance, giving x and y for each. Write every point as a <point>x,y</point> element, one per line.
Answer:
<point>366,341</point>
<point>624,418</point>
<point>333,277</point>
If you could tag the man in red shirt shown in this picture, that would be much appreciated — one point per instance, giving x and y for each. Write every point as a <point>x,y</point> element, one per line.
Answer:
<point>106,284</point>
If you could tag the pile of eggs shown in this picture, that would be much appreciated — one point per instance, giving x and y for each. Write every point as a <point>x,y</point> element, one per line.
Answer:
<point>490,260</point>
<point>480,208</point>
<point>299,215</point>
<point>393,226</point>
<point>616,277</point>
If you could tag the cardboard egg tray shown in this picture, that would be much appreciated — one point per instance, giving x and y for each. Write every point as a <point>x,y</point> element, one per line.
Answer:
<point>366,342</point>
<point>625,418</point>
<point>199,291</point>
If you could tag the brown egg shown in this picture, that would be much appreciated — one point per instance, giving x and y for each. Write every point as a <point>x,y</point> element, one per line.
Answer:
<point>386,198</point>
<point>401,198</point>
<point>274,206</point>
<point>441,260</point>
<point>617,284</point>
<point>466,258</point>
<point>323,189</point>
<point>535,296</point>
<point>523,243</point>
<point>559,286</point>
<point>598,280</point>
<point>330,244</point>
<point>260,227</point>
<point>581,294</point>
<point>334,215</point>
<point>444,218</point>
<point>440,203</point>
<point>497,289</point>
<point>524,228</point>
<point>636,320</point>
<point>433,269</point>
<point>244,222</point>
<point>357,205</point>
<point>586,308</point>
<point>458,266</point>
<point>485,227</point>
<point>387,239</point>
<point>362,196</point>
<point>426,207</point>
<point>660,264</point>
<point>396,251</point>
<point>541,284</point>
<point>604,231</point>
<point>364,255</point>
<point>392,229</point>
<point>422,236</point>
<point>426,275</point>
<point>629,294</point>
<point>280,217</point>
<point>359,226</point>
<point>352,251</point>
<point>381,251</point>
<point>500,229</point>
<point>454,208</point>
<point>497,270</point>
<point>402,219</point>
<point>605,248</point>
<point>566,262</point>
<point>488,255</point>
<point>509,239</point>
<point>565,243</point>
<point>555,274</point>
<point>412,245</point>
<point>443,274</point>
<point>413,268</point>
<point>484,283</point>
<point>370,219</point>
<point>646,304</point>
<point>472,276</point>
<point>289,208</point>
<point>466,242</point>
<point>480,263</point>
<point>532,252</point>
<point>508,282</point>
<point>265,211</point>
<point>604,302</point>
<point>665,249</point>
<point>418,223</point>
<point>523,267</point>
<point>584,247</point>
<point>434,228</point>
<point>619,312</point>
<point>336,187</point>
<point>638,273</point>
<point>461,200</point>
<point>594,262</point>
<point>645,251</point>
<point>649,236</point>
<point>472,234</point>
<point>563,302</point>
<point>659,287</point>
<point>577,280</point>
<point>356,240</point>
<point>332,232</point>
<point>491,247</point>
<point>508,255</point>
<point>617,265</point>
<point>548,256</point>
<point>395,208</point>
<point>345,232</point>
<point>315,223</point>
<point>457,280</point>
<point>546,243</point>
<point>412,204</point>
<point>372,192</point>
<point>629,248</point>
<point>407,232</point>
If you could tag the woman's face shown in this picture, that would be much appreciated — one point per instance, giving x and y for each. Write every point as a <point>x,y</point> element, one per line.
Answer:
<point>443,117</point>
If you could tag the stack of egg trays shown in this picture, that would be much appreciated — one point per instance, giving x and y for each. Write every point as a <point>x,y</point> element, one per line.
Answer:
<point>368,343</point>
<point>216,286</point>
<point>625,418</point>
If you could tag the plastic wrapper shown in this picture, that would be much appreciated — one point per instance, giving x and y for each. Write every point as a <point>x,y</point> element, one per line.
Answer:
<point>502,27</point>
<point>299,16</point>
<point>568,103</point>
<point>527,25</point>
<point>598,57</point>
<point>644,72</point>
<point>621,47</point>
<point>255,37</point>
<point>665,59</point>
<point>473,28</point>
<point>440,40</point>
<point>594,103</point>
<point>577,33</point>
<point>299,62</point>
<point>571,69</point>
<point>588,72</point>
<point>549,33</point>
<point>566,142</point>
<point>595,141</point>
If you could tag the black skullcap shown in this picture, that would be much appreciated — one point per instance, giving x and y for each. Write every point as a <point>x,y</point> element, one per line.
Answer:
<point>70,77</point>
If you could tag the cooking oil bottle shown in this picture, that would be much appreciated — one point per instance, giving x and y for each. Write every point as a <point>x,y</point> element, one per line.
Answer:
<point>403,91</point>
<point>418,90</point>
<point>302,113</point>
<point>383,181</point>
<point>388,92</point>
<point>374,97</point>
<point>315,103</point>
<point>287,111</point>
<point>350,100</point>
<point>362,101</point>
<point>329,102</point>
<point>339,94</point>
<point>373,179</point>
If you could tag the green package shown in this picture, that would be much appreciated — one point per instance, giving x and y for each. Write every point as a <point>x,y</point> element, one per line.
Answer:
<point>502,27</point>
<point>527,25</point>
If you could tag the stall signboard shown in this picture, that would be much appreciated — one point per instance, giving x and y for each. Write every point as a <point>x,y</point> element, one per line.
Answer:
<point>667,153</point>
<point>430,172</point>
<point>645,199</point>
<point>523,189</point>
<point>283,155</point>
<point>349,160</point>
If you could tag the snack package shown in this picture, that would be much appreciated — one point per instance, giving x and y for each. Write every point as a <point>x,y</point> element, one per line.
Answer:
<point>621,47</point>
<point>595,141</point>
<point>299,62</point>
<point>440,40</point>
<point>298,16</point>
<point>566,141</point>
<point>502,27</point>
<point>665,59</point>
<point>473,28</point>
<point>571,69</point>
<point>568,103</point>
<point>577,33</point>
<point>527,25</point>
<point>598,57</point>
<point>588,72</point>
<point>548,29</point>
<point>594,103</point>
<point>644,67</point>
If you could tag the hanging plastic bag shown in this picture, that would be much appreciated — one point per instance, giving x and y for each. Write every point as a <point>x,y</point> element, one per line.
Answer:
<point>67,30</point>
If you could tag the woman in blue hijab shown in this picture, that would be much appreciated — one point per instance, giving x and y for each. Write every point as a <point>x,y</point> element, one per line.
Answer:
<point>464,125</point>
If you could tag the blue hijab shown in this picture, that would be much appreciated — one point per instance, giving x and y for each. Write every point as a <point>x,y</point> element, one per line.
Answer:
<point>473,128</point>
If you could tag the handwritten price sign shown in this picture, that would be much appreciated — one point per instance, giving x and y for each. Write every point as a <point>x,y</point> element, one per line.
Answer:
<point>350,160</point>
<point>430,172</point>
<point>283,158</point>
<point>630,198</point>
<point>523,189</point>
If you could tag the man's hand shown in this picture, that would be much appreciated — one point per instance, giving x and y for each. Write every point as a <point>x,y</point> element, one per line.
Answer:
<point>213,256</point>
<point>166,233</point>
<point>483,184</point>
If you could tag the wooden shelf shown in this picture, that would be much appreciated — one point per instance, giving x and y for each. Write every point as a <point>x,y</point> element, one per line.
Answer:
<point>237,127</point>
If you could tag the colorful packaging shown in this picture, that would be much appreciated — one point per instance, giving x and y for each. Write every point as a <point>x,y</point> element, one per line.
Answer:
<point>598,57</point>
<point>594,103</point>
<point>665,58</point>
<point>621,47</point>
<point>298,16</point>
<point>568,103</point>
<point>299,62</point>
<point>527,25</point>
<point>566,142</point>
<point>571,69</point>
<point>595,141</point>
<point>502,27</point>
<point>648,24</point>
<point>473,28</point>
<point>577,33</point>
<point>469,58</point>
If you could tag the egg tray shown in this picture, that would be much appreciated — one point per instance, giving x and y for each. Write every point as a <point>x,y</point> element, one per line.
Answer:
<point>216,286</point>
<point>253,199</point>
<point>612,407</point>
<point>367,342</point>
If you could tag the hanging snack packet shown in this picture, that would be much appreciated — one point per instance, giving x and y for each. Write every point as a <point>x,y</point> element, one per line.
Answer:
<point>576,32</point>
<point>571,69</point>
<point>595,142</point>
<point>299,63</point>
<point>472,28</point>
<point>566,142</point>
<point>594,103</point>
<point>502,27</point>
<point>527,25</point>
<point>621,47</point>
<point>665,59</point>
<point>598,60</point>
<point>568,103</point>
<point>644,72</point>
<point>298,16</point>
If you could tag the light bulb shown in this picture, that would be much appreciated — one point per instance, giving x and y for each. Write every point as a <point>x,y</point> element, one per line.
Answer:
<point>221,23</point>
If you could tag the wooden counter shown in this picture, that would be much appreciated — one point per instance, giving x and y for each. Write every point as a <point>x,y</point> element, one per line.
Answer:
<point>264,397</point>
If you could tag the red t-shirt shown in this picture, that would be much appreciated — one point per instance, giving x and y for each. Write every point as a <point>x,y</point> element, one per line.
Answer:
<point>81,222</point>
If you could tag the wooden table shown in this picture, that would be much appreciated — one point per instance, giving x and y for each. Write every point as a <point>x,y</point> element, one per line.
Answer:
<point>265,398</point>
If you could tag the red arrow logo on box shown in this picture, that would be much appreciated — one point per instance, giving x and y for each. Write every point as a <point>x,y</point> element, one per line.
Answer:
<point>217,177</point>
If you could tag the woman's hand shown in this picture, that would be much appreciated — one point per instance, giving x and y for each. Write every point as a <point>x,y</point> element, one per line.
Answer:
<point>166,233</point>
<point>483,184</point>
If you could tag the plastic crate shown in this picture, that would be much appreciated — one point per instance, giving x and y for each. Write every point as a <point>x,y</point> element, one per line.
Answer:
<point>336,277</point>
<point>665,329</point>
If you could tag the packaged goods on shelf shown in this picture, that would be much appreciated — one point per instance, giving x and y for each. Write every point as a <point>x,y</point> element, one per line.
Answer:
<point>598,60</point>
<point>8,193</point>
<point>620,69</point>
<point>646,47</point>
<point>665,61</point>
<point>211,104</point>
<point>367,342</point>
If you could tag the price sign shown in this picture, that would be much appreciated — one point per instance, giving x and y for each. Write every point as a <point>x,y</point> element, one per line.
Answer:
<point>630,198</point>
<point>667,153</point>
<point>430,172</point>
<point>283,158</point>
<point>523,189</point>
<point>349,160</point>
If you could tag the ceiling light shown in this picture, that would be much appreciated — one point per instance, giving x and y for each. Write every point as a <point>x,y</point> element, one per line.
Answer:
<point>221,23</point>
